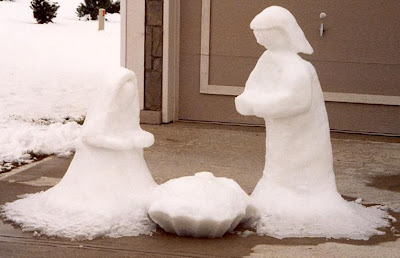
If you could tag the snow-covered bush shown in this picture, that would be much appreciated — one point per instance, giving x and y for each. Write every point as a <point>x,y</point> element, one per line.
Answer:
<point>91,8</point>
<point>44,11</point>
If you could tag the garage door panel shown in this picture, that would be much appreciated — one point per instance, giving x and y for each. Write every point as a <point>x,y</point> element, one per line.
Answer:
<point>230,32</point>
<point>334,76</point>
<point>359,78</point>
<point>364,118</point>
<point>357,52</point>
<point>347,37</point>
<point>200,107</point>
<point>230,70</point>
<point>374,52</point>
<point>190,27</point>
<point>357,57</point>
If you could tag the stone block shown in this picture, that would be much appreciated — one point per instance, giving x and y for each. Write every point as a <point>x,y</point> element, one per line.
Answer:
<point>150,117</point>
<point>149,40</point>
<point>154,12</point>
<point>148,62</point>
<point>153,90</point>
<point>157,47</point>
<point>157,64</point>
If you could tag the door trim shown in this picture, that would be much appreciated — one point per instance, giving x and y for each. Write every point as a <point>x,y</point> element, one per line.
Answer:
<point>170,76</point>
<point>133,41</point>
<point>206,88</point>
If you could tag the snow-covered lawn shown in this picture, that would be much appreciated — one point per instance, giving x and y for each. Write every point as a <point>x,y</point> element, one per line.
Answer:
<point>48,74</point>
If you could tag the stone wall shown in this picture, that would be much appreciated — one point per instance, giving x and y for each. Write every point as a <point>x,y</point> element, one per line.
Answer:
<point>153,55</point>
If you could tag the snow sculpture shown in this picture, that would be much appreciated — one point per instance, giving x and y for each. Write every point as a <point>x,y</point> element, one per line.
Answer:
<point>297,195</point>
<point>106,190</point>
<point>199,206</point>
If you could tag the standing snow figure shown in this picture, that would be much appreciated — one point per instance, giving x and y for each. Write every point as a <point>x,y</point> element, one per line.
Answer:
<point>105,191</point>
<point>297,195</point>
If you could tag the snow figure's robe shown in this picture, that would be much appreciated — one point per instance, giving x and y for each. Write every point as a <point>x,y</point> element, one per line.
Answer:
<point>297,194</point>
<point>106,188</point>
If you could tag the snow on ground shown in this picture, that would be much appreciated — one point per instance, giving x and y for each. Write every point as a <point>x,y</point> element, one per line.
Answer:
<point>48,74</point>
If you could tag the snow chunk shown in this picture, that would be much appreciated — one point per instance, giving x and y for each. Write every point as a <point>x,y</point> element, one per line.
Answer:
<point>200,206</point>
<point>358,200</point>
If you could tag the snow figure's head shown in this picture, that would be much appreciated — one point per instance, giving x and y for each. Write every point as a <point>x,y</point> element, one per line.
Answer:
<point>118,98</point>
<point>275,28</point>
<point>113,119</point>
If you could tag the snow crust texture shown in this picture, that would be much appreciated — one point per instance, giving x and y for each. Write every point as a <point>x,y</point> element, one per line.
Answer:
<point>200,206</point>
<point>106,190</point>
<point>297,194</point>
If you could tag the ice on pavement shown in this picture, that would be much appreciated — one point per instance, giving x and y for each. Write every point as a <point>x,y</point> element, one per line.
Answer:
<point>297,194</point>
<point>106,190</point>
<point>200,206</point>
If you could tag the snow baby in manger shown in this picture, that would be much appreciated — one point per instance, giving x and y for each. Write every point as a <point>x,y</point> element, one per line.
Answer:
<point>106,188</point>
<point>297,195</point>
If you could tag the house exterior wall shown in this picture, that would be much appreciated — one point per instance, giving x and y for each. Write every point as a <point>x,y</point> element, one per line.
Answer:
<point>347,58</point>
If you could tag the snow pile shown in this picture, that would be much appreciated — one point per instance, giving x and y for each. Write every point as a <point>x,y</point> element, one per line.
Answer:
<point>199,206</point>
<point>297,195</point>
<point>21,141</point>
<point>106,190</point>
<point>49,74</point>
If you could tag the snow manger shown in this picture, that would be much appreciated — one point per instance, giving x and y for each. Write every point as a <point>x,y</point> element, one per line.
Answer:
<point>200,206</point>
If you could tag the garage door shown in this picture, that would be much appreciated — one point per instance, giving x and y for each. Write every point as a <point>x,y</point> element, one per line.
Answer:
<point>357,59</point>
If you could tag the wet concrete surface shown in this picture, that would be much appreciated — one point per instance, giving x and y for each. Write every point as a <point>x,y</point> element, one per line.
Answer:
<point>390,183</point>
<point>237,152</point>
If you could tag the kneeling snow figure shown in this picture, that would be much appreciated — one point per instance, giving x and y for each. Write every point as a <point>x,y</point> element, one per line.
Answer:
<point>106,190</point>
<point>297,195</point>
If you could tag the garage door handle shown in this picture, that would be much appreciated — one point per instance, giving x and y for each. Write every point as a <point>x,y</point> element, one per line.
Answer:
<point>321,30</point>
<point>322,27</point>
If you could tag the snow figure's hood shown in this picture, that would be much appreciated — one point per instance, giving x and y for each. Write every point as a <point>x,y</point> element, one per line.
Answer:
<point>113,120</point>
<point>279,17</point>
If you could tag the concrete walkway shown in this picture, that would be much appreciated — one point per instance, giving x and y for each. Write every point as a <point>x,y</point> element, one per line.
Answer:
<point>366,167</point>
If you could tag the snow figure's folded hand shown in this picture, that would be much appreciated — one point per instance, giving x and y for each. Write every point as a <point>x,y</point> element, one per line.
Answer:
<point>142,139</point>
<point>243,106</point>
<point>139,139</point>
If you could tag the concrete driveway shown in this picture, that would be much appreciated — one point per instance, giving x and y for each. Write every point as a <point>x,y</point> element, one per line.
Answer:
<point>366,167</point>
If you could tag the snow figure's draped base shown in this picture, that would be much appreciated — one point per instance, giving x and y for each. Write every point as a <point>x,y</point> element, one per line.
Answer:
<point>105,191</point>
<point>297,195</point>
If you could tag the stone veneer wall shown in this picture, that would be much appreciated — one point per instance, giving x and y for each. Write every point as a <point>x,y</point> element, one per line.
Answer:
<point>153,55</point>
